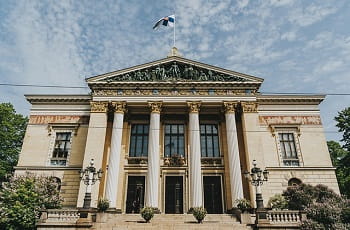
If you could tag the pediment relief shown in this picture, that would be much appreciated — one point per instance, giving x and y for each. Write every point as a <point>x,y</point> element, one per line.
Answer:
<point>173,69</point>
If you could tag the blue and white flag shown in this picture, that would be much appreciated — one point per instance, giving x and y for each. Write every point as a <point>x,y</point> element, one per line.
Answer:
<point>166,21</point>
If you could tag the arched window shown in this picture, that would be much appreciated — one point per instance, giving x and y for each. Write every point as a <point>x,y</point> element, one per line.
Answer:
<point>294,182</point>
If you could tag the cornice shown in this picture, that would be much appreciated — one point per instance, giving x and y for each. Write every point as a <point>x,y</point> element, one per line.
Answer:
<point>299,168</point>
<point>48,168</point>
<point>54,98</point>
<point>290,99</point>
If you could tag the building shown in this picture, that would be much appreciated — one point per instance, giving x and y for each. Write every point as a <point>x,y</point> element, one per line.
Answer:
<point>174,134</point>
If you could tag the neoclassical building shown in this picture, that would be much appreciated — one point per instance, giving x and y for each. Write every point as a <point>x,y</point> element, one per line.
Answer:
<point>174,134</point>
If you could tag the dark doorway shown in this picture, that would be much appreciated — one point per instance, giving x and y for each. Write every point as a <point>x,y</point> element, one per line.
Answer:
<point>212,194</point>
<point>135,194</point>
<point>174,194</point>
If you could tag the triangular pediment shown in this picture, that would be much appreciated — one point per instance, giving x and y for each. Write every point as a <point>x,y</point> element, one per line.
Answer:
<point>174,69</point>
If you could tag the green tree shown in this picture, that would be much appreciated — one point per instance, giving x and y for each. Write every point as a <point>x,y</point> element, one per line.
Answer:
<point>341,160</point>
<point>343,124</point>
<point>22,198</point>
<point>12,129</point>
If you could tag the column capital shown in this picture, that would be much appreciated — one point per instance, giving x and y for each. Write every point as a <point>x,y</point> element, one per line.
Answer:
<point>119,106</point>
<point>249,107</point>
<point>194,106</point>
<point>156,106</point>
<point>230,106</point>
<point>99,106</point>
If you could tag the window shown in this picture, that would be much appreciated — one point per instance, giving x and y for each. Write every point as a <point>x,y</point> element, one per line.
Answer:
<point>174,140</point>
<point>61,148</point>
<point>209,140</point>
<point>288,149</point>
<point>139,140</point>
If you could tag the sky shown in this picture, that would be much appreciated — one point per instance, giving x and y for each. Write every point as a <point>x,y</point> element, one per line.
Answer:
<point>297,46</point>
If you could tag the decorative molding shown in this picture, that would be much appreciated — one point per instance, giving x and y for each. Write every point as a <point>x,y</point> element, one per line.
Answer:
<point>99,106</point>
<point>156,106</point>
<point>58,119</point>
<point>230,107</point>
<point>217,161</point>
<point>290,120</point>
<point>194,106</point>
<point>63,126</point>
<point>119,106</point>
<point>249,107</point>
<point>275,128</point>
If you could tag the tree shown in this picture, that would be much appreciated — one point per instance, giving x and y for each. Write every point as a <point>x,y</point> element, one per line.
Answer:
<point>22,199</point>
<point>341,160</point>
<point>12,129</point>
<point>343,124</point>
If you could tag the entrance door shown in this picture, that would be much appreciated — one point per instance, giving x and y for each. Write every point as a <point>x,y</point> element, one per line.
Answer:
<point>135,194</point>
<point>212,194</point>
<point>174,194</point>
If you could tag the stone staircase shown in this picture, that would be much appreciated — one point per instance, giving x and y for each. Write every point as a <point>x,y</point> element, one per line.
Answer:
<point>110,221</point>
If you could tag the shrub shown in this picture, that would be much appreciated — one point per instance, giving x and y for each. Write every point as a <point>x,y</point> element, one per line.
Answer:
<point>277,202</point>
<point>243,204</point>
<point>102,204</point>
<point>147,213</point>
<point>199,213</point>
<point>22,198</point>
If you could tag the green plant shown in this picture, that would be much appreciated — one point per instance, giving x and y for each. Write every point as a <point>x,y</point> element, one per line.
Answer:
<point>147,213</point>
<point>102,204</point>
<point>277,201</point>
<point>243,204</point>
<point>199,213</point>
<point>22,199</point>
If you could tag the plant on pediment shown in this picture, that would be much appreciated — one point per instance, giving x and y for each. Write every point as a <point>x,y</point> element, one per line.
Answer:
<point>174,71</point>
<point>174,160</point>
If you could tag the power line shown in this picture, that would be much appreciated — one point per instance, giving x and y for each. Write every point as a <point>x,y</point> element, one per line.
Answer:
<point>85,87</point>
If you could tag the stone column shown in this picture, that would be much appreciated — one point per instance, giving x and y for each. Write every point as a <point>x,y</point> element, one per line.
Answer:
<point>94,148</point>
<point>196,183</point>
<point>152,180</point>
<point>233,152</point>
<point>114,155</point>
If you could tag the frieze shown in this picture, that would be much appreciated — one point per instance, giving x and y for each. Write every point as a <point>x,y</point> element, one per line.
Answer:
<point>249,107</point>
<point>303,120</point>
<point>174,71</point>
<point>69,119</point>
<point>99,106</point>
<point>167,92</point>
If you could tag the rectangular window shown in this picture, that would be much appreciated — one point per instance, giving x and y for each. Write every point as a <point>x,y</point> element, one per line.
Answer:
<point>288,149</point>
<point>174,140</point>
<point>61,149</point>
<point>139,140</point>
<point>209,140</point>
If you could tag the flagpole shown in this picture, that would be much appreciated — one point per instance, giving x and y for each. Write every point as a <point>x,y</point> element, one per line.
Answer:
<point>174,28</point>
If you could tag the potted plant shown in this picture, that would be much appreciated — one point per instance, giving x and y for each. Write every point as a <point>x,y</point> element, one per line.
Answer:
<point>199,213</point>
<point>147,213</point>
<point>243,205</point>
<point>102,204</point>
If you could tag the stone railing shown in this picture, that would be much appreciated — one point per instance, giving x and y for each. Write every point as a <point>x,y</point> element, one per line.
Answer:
<point>285,216</point>
<point>59,215</point>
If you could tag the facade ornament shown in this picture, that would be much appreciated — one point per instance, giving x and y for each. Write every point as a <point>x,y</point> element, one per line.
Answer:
<point>249,107</point>
<point>156,106</point>
<point>230,107</point>
<point>119,106</point>
<point>99,106</point>
<point>194,106</point>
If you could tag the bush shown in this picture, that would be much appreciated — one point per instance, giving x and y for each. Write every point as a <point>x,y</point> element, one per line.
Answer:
<point>147,213</point>
<point>277,202</point>
<point>199,213</point>
<point>324,208</point>
<point>243,204</point>
<point>22,199</point>
<point>102,204</point>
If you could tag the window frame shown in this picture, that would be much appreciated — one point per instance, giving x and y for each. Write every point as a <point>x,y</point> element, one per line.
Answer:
<point>53,136</point>
<point>143,136</point>
<point>212,135</point>
<point>183,134</point>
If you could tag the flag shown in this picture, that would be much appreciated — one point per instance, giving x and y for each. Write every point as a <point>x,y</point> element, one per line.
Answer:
<point>166,21</point>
